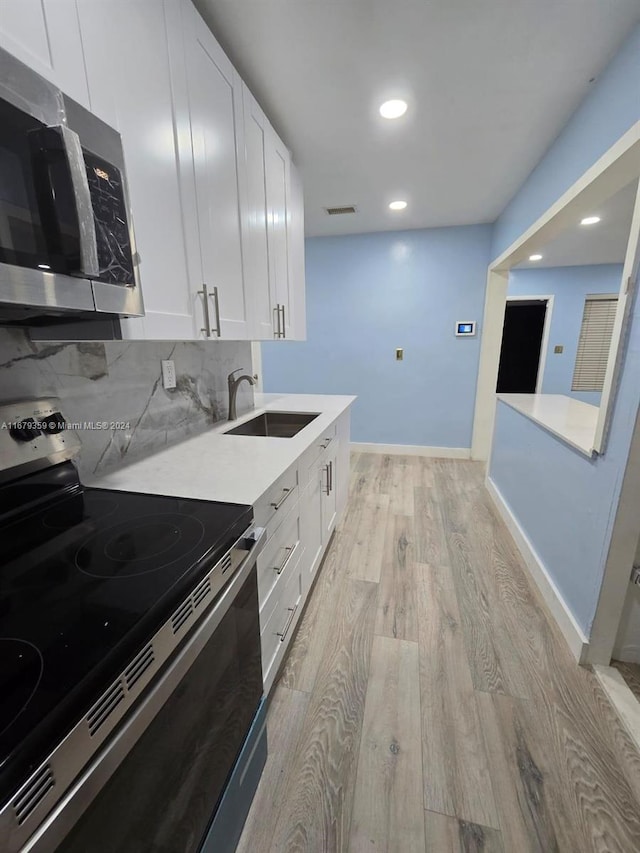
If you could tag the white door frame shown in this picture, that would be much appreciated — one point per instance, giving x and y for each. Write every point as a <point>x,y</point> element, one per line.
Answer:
<point>546,330</point>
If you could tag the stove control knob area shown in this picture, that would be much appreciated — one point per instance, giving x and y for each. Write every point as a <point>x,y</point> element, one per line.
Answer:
<point>24,431</point>
<point>53,424</point>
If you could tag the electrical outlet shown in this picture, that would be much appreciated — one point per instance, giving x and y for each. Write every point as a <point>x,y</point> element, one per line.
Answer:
<point>168,374</point>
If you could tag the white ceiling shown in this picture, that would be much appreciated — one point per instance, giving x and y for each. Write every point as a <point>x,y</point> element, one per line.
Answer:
<point>603,243</point>
<point>489,85</point>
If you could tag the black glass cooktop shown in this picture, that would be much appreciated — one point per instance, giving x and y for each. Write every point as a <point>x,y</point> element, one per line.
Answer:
<point>85,580</point>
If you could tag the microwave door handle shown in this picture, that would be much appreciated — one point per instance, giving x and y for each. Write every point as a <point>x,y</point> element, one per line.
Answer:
<point>59,141</point>
<point>82,195</point>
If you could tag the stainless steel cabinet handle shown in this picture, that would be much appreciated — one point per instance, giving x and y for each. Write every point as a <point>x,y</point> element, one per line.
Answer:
<point>283,333</point>
<point>282,499</point>
<point>216,303</point>
<point>326,443</point>
<point>328,486</point>
<point>282,634</point>
<point>207,323</point>
<point>290,549</point>
<point>276,311</point>
<point>331,476</point>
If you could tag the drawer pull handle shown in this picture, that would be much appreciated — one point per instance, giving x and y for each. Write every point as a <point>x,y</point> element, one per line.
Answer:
<point>282,499</point>
<point>326,443</point>
<point>290,549</point>
<point>327,488</point>
<point>282,634</point>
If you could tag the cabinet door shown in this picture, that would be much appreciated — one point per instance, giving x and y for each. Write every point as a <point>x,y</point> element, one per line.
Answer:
<point>311,527</point>
<point>343,454</point>
<point>136,94</point>
<point>328,485</point>
<point>45,35</point>
<point>278,163</point>
<point>295,232</point>
<point>255,234</point>
<point>215,100</point>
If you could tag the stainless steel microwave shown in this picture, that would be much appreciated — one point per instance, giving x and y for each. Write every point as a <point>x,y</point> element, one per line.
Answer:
<point>67,246</point>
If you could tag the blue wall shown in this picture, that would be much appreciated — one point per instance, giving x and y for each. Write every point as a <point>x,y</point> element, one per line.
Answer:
<point>610,109</point>
<point>569,286</point>
<point>564,502</point>
<point>368,294</point>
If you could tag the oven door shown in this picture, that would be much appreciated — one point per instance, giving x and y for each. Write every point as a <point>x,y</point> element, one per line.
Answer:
<point>157,784</point>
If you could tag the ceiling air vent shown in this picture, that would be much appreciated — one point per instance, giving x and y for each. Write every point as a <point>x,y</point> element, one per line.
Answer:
<point>339,211</point>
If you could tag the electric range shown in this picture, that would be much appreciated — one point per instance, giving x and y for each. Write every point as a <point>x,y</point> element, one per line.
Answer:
<point>87,577</point>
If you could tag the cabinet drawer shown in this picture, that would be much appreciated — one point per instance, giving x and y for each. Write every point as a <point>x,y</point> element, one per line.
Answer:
<point>281,552</point>
<point>276,501</point>
<point>279,625</point>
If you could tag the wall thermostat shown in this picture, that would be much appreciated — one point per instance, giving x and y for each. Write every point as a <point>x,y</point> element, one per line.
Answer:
<point>465,328</point>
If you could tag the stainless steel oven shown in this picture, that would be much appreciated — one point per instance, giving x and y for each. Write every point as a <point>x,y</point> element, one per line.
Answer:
<point>159,780</point>
<point>66,235</point>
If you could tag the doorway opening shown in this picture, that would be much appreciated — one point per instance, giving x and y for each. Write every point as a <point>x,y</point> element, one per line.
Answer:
<point>524,345</point>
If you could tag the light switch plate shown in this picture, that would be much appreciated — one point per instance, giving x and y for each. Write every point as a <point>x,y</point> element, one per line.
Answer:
<point>399,354</point>
<point>558,349</point>
<point>168,374</point>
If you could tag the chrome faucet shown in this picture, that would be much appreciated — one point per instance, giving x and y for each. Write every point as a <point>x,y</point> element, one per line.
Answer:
<point>233,390</point>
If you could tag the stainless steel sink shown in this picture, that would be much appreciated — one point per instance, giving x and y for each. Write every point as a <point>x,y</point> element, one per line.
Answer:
<point>274,424</point>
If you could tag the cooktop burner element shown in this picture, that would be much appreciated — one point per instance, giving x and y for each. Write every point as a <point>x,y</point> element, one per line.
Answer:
<point>146,545</point>
<point>21,668</point>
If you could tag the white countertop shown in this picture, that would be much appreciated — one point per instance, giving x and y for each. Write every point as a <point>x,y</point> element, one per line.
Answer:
<point>233,468</point>
<point>571,420</point>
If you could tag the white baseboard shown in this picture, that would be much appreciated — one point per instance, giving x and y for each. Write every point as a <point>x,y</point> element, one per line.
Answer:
<point>572,632</point>
<point>627,654</point>
<point>412,450</point>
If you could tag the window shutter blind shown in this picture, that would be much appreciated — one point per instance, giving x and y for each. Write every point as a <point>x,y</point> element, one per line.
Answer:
<point>593,345</point>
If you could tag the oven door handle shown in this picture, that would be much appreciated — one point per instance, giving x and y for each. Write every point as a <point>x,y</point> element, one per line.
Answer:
<point>60,143</point>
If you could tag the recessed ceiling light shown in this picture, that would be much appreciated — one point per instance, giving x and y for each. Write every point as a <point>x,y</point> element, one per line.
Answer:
<point>397,205</point>
<point>590,220</point>
<point>393,109</point>
<point>535,257</point>
<point>44,267</point>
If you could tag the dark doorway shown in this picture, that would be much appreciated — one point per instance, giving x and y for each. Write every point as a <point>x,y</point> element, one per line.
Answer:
<point>521,343</point>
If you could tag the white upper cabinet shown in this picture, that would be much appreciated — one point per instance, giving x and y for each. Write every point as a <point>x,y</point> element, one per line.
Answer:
<point>215,103</point>
<point>297,286</point>
<point>278,165</point>
<point>45,35</point>
<point>273,231</point>
<point>133,92</point>
<point>257,274</point>
<point>217,208</point>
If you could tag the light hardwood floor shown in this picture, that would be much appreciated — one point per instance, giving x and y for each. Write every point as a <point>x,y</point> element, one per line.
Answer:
<point>428,702</point>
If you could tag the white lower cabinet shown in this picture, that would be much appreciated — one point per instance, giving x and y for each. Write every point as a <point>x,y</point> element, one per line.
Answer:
<point>314,495</point>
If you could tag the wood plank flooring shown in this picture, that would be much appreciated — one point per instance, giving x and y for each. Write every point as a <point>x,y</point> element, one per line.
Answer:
<point>429,702</point>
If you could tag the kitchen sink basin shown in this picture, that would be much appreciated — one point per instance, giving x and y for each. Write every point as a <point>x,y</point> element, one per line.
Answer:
<point>274,424</point>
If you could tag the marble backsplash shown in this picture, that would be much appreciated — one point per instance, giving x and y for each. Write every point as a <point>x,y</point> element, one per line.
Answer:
<point>121,381</point>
